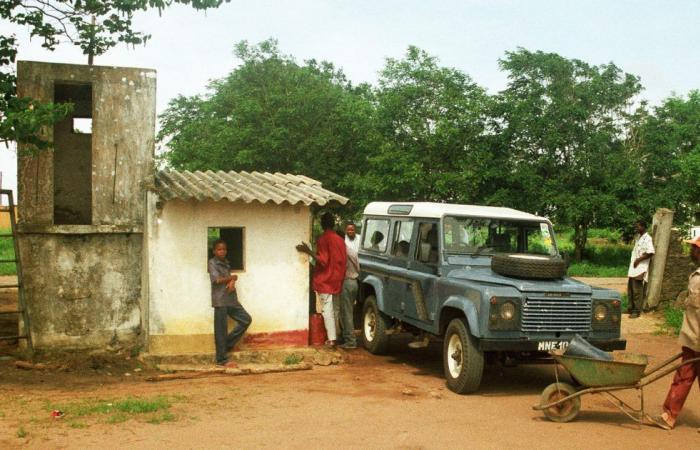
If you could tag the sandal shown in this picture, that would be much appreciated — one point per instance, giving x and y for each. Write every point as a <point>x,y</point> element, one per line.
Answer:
<point>660,421</point>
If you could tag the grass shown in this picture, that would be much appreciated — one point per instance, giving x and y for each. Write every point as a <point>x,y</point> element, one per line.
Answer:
<point>293,359</point>
<point>78,425</point>
<point>7,251</point>
<point>118,411</point>
<point>21,433</point>
<point>604,255</point>
<point>673,318</point>
<point>165,417</point>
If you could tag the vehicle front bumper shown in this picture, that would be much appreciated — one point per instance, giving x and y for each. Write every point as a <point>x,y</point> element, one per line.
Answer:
<point>511,345</point>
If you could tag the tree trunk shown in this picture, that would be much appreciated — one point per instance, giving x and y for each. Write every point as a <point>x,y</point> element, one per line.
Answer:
<point>580,238</point>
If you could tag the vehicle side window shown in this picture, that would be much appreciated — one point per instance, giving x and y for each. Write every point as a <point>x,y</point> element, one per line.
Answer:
<point>427,248</point>
<point>401,241</point>
<point>375,235</point>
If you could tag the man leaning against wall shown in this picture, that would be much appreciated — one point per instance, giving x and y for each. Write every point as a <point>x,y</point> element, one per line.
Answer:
<point>638,272</point>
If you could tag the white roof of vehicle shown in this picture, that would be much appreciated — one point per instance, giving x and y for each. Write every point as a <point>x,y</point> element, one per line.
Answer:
<point>438,210</point>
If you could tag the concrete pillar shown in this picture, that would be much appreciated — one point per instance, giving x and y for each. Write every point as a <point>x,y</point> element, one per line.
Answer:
<point>661,235</point>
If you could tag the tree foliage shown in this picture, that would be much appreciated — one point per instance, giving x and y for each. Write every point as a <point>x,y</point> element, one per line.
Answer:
<point>564,123</point>
<point>94,26</point>
<point>273,114</point>
<point>432,127</point>
<point>668,151</point>
<point>564,139</point>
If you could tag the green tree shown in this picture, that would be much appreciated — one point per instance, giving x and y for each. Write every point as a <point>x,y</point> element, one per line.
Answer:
<point>431,123</point>
<point>668,151</point>
<point>563,122</point>
<point>94,26</point>
<point>273,114</point>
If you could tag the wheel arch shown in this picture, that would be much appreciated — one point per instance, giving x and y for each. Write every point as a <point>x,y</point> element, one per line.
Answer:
<point>458,306</point>
<point>372,285</point>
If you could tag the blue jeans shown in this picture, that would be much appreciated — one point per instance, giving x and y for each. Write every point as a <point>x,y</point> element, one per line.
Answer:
<point>225,342</point>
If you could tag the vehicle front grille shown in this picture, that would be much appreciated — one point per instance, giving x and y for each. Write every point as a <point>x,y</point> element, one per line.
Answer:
<point>552,314</point>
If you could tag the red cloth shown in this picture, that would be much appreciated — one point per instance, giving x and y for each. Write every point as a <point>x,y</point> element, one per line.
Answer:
<point>329,272</point>
<point>682,382</point>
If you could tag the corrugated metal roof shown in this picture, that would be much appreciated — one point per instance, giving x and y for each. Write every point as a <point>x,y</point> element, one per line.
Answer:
<point>243,186</point>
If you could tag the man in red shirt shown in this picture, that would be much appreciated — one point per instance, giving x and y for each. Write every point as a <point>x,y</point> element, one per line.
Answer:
<point>329,271</point>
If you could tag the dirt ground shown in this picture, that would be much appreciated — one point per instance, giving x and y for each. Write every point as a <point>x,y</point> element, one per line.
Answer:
<point>394,401</point>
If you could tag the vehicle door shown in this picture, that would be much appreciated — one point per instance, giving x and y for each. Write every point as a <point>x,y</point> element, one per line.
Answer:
<point>399,254</point>
<point>375,235</point>
<point>423,265</point>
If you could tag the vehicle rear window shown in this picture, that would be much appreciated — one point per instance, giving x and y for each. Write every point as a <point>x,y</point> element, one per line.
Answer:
<point>374,235</point>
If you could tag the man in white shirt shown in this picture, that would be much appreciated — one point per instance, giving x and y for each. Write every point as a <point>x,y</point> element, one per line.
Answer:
<point>350,287</point>
<point>352,239</point>
<point>638,273</point>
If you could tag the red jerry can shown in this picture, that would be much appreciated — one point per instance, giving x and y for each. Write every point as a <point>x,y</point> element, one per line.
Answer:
<point>317,330</point>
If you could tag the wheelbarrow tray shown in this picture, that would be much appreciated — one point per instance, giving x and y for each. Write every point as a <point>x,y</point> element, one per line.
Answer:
<point>625,369</point>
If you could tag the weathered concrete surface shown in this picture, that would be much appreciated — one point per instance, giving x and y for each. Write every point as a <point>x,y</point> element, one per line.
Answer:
<point>273,287</point>
<point>678,268</point>
<point>84,279</point>
<point>661,231</point>
<point>122,141</point>
<point>82,291</point>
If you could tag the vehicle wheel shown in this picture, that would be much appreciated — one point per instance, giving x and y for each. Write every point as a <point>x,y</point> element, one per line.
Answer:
<point>562,412</point>
<point>521,265</point>
<point>374,326</point>
<point>462,360</point>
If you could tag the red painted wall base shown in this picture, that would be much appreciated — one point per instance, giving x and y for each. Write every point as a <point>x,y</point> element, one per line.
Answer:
<point>292,338</point>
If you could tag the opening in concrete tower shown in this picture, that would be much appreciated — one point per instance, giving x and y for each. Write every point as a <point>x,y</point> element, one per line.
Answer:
<point>72,169</point>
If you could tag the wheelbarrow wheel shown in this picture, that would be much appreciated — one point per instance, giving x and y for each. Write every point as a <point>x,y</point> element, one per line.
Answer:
<point>564,411</point>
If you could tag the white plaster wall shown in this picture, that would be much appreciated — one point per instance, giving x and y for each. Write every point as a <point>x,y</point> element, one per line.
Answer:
<point>273,287</point>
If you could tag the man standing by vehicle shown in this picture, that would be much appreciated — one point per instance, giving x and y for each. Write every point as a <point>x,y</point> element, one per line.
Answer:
<point>638,273</point>
<point>350,287</point>
<point>352,239</point>
<point>329,271</point>
<point>689,339</point>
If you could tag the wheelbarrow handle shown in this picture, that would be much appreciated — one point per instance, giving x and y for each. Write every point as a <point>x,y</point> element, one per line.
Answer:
<point>663,373</point>
<point>653,369</point>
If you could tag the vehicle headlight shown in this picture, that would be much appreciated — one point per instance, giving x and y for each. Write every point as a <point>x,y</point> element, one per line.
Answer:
<point>600,312</point>
<point>507,311</point>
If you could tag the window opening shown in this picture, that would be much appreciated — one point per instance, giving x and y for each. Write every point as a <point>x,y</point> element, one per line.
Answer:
<point>235,245</point>
<point>72,156</point>
<point>375,235</point>
<point>401,243</point>
<point>427,248</point>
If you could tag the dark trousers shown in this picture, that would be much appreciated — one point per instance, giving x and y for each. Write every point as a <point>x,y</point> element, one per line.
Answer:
<point>225,342</point>
<point>682,382</point>
<point>635,295</point>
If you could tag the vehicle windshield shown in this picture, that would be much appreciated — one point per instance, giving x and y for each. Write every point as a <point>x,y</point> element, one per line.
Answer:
<point>475,236</point>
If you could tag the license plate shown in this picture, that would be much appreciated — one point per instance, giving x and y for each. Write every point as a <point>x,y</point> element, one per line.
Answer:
<point>545,346</point>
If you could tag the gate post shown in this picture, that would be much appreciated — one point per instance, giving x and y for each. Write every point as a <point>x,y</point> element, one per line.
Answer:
<point>661,235</point>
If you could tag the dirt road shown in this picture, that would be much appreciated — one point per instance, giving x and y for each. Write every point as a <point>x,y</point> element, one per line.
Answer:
<point>396,401</point>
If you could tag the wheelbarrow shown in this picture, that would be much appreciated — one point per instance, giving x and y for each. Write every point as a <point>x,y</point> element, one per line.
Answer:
<point>561,402</point>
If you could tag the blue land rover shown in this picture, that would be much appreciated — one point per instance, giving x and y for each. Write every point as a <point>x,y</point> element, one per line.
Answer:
<point>486,280</point>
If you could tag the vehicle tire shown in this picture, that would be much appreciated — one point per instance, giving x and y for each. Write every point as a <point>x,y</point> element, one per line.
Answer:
<point>522,265</point>
<point>374,326</point>
<point>562,412</point>
<point>462,360</point>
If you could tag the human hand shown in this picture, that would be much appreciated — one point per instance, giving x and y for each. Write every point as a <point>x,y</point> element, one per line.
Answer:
<point>231,286</point>
<point>304,248</point>
<point>636,263</point>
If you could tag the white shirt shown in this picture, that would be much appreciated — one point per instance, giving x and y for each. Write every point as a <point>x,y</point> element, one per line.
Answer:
<point>353,243</point>
<point>641,246</point>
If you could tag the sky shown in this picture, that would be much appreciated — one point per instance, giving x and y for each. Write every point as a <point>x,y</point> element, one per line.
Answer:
<point>656,40</point>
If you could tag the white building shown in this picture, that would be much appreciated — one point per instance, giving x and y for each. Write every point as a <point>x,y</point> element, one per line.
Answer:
<point>262,216</point>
